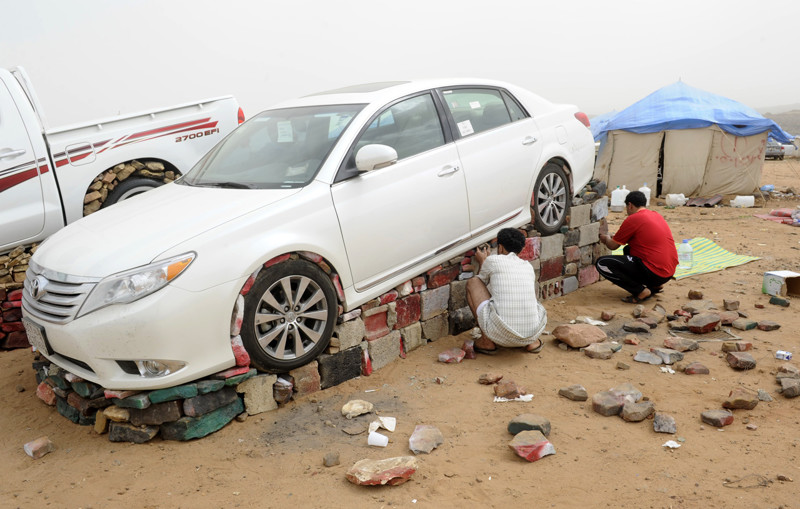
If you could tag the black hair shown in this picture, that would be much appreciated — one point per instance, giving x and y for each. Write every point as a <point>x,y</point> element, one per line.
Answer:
<point>511,239</point>
<point>637,198</point>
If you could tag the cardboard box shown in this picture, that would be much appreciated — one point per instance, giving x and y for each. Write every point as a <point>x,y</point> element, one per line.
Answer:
<point>783,283</point>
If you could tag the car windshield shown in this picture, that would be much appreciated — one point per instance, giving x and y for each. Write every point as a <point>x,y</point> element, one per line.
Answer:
<point>276,149</point>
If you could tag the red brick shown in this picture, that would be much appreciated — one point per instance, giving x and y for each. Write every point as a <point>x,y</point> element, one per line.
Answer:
<point>78,403</point>
<point>46,394</point>
<point>337,284</point>
<point>443,277</point>
<point>15,295</point>
<point>388,297</point>
<point>532,249</point>
<point>277,259</point>
<point>2,294</point>
<point>375,326</point>
<point>230,373</point>
<point>366,364</point>
<point>408,310</point>
<point>12,315</point>
<point>17,340</point>
<point>11,304</point>
<point>418,282</point>
<point>239,353</point>
<point>308,255</point>
<point>434,270</point>
<point>466,260</point>
<point>12,327</point>
<point>587,276</point>
<point>573,253</point>
<point>552,268</point>
<point>247,285</point>
<point>306,379</point>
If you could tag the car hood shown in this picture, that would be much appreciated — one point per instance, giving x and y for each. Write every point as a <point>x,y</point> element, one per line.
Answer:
<point>136,231</point>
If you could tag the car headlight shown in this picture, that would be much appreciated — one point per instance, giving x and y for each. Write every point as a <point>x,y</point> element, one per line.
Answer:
<point>134,284</point>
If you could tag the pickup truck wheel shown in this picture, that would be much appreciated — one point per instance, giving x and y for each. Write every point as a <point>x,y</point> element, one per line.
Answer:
<point>551,199</point>
<point>289,315</point>
<point>130,187</point>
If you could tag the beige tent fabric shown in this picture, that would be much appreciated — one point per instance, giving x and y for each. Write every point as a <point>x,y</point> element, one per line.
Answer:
<point>634,160</point>
<point>734,166</point>
<point>686,153</point>
<point>603,161</point>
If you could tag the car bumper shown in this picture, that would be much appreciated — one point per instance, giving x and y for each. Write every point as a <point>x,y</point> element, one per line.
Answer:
<point>172,325</point>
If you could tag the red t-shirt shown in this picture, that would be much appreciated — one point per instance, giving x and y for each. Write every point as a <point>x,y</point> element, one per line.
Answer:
<point>649,238</point>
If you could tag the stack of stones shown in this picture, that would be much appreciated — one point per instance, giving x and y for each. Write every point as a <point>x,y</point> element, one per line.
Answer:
<point>12,274</point>
<point>106,182</point>
<point>423,309</point>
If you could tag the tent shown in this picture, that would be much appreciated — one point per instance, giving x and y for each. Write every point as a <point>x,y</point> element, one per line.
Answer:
<point>680,139</point>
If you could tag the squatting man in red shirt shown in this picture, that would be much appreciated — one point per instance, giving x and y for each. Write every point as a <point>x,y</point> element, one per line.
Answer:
<point>649,258</point>
<point>502,297</point>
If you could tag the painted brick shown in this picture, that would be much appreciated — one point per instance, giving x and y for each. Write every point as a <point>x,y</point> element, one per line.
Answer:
<point>139,401</point>
<point>173,393</point>
<point>239,353</point>
<point>230,373</point>
<point>237,317</point>
<point>259,393</point>
<point>306,379</point>
<point>84,389</point>
<point>590,234</point>
<point>340,367</point>
<point>348,334</point>
<point>458,295</point>
<point>587,276</point>
<point>337,285</point>
<point>388,297</point>
<point>572,238</point>
<point>277,259</point>
<point>375,325</point>
<point>15,295</point>
<point>443,276</point>
<point>436,327</point>
<point>532,249</point>
<point>80,404</point>
<point>16,340</point>
<point>351,315</point>
<point>45,393</point>
<point>370,305</point>
<point>405,289</point>
<point>187,428</point>
<point>156,414</point>
<point>552,246</point>
<point>551,268</point>
<point>12,327</point>
<point>12,315</point>
<point>408,310</point>
<point>579,215</point>
<point>209,386</point>
<point>247,285</point>
<point>412,337</point>
<point>569,285</point>
<point>237,379</point>
<point>384,350</point>
<point>572,253</point>
<point>434,302</point>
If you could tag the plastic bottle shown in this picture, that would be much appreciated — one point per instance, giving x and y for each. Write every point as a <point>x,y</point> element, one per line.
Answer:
<point>685,255</point>
<point>646,192</point>
<point>676,200</point>
<point>618,199</point>
<point>743,201</point>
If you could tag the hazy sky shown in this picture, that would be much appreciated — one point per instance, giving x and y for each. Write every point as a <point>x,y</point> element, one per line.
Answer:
<point>97,58</point>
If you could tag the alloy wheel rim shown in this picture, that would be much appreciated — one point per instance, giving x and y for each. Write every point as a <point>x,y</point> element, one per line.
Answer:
<point>551,200</point>
<point>291,317</point>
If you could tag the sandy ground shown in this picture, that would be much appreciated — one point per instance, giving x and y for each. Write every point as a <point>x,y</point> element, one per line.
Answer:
<point>275,459</point>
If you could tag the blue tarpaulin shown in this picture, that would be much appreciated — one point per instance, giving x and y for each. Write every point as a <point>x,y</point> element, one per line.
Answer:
<point>679,106</point>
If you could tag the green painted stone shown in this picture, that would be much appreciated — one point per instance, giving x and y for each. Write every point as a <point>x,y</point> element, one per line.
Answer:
<point>140,401</point>
<point>234,380</point>
<point>173,393</point>
<point>206,386</point>
<point>778,301</point>
<point>84,389</point>
<point>125,432</point>
<point>187,428</point>
<point>57,381</point>
<point>73,414</point>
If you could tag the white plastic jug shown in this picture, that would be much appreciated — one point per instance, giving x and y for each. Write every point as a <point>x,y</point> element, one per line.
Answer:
<point>646,192</point>
<point>676,200</point>
<point>618,199</point>
<point>685,255</point>
<point>743,201</point>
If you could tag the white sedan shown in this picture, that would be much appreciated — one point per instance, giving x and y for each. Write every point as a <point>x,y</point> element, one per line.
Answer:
<point>375,183</point>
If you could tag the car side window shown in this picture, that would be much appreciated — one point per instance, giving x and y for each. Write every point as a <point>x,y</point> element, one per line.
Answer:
<point>410,127</point>
<point>517,113</point>
<point>475,110</point>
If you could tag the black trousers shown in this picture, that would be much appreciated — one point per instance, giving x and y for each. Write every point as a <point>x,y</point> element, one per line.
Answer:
<point>630,273</point>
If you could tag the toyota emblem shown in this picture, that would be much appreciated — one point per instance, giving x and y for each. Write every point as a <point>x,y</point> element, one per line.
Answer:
<point>38,287</point>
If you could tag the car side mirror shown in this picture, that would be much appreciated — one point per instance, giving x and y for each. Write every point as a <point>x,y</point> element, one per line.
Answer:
<point>375,157</point>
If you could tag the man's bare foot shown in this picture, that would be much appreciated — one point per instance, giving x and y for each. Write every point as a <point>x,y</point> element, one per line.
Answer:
<point>644,295</point>
<point>485,344</point>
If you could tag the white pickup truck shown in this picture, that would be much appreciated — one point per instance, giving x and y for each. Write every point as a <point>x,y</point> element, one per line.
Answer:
<point>52,177</point>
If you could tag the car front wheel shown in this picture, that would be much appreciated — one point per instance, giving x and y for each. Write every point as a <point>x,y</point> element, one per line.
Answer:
<point>551,199</point>
<point>289,315</point>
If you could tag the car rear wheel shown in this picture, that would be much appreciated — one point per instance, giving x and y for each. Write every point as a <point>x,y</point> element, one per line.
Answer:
<point>551,199</point>
<point>129,188</point>
<point>289,315</point>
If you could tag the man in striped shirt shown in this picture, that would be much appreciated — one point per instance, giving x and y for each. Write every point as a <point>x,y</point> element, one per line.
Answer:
<point>503,297</point>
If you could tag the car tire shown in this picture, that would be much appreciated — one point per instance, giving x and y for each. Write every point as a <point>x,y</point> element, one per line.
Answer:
<point>551,199</point>
<point>289,315</point>
<point>129,188</point>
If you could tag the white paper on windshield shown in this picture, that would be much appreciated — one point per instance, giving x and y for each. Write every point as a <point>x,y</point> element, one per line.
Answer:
<point>474,104</point>
<point>465,128</point>
<point>285,131</point>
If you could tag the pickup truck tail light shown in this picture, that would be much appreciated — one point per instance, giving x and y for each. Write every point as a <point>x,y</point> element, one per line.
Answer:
<point>581,116</point>
<point>241,116</point>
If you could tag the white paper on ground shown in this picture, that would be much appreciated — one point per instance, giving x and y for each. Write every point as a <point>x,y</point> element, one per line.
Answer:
<point>672,444</point>
<point>387,423</point>
<point>524,397</point>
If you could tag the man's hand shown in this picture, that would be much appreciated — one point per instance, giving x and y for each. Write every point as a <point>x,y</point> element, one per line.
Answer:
<point>481,253</point>
<point>608,241</point>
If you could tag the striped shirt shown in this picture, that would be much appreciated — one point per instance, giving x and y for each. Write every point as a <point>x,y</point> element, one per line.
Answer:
<point>513,316</point>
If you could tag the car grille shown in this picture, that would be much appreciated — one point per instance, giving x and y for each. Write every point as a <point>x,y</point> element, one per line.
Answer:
<point>58,297</point>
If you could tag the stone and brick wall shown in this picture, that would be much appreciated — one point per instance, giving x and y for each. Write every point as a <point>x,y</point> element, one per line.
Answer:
<point>104,183</point>
<point>12,274</point>
<point>379,332</point>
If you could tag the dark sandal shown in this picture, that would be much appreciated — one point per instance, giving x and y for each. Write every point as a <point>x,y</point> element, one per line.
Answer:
<point>630,299</point>
<point>484,351</point>
<point>538,348</point>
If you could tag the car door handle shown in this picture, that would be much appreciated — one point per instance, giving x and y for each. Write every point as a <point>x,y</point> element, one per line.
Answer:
<point>12,153</point>
<point>448,170</point>
<point>530,140</point>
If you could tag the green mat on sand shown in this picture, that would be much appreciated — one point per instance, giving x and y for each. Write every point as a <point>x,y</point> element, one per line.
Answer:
<point>707,257</point>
